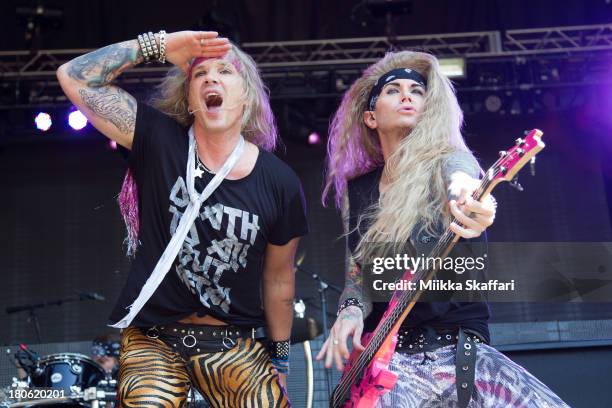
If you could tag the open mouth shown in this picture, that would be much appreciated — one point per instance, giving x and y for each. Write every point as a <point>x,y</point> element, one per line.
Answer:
<point>213,100</point>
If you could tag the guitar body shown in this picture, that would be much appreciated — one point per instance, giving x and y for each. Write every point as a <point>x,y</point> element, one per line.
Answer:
<point>377,378</point>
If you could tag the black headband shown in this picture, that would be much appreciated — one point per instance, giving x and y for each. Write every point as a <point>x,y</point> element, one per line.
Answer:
<point>398,73</point>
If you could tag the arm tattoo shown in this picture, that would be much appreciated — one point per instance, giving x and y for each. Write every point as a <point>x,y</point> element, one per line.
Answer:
<point>353,288</point>
<point>353,283</point>
<point>353,279</point>
<point>113,104</point>
<point>100,67</point>
<point>96,70</point>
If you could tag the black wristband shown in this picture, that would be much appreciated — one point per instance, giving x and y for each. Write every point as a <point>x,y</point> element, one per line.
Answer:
<point>279,349</point>
<point>350,302</point>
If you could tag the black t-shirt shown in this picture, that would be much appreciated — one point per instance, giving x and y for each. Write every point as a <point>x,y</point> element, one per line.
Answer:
<point>363,193</point>
<point>219,267</point>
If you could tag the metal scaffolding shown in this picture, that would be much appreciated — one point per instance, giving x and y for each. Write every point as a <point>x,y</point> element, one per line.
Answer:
<point>511,60</point>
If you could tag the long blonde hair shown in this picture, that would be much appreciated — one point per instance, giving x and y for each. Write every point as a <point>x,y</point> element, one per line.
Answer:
<point>258,125</point>
<point>416,194</point>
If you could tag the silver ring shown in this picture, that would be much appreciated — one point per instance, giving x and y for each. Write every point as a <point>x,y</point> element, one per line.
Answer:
<point>189,345</point>
<point>202,42</point>
<point>335,342</point>
<point>228,343</point>
<point>152,333</point>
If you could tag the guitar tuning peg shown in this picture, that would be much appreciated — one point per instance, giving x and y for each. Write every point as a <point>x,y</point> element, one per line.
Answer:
<point>520,142</point>
<point>502,153</point>
<point>515,184</point>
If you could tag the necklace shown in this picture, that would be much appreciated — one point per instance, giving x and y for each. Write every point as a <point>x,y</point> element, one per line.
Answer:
<point>200,166</point>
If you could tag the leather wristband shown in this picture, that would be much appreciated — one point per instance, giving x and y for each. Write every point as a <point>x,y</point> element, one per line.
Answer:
<point>279,349</point>
<point>350,302</point>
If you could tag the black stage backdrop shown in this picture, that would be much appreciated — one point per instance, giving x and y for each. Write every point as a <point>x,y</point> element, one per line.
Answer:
<point>101,22</point>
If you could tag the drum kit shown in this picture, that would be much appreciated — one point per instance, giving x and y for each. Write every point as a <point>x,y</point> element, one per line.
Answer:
<point>69,380</point>
<point>60,380</point>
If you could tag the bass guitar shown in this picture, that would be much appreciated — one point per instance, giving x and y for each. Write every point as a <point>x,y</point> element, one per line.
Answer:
<point>366,376</point>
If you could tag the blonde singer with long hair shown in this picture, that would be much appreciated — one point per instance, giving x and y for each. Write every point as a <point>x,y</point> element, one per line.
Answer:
<point>399,170</point>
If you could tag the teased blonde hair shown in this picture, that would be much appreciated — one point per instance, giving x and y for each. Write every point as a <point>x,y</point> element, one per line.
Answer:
<point>417,192</point>
<point>258,125</point>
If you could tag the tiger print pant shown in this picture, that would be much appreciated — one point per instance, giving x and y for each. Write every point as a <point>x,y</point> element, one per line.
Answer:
<point>427,380</point>
<point>152,374</point>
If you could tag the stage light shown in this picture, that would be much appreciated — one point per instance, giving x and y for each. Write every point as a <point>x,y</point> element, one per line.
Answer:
<point>453,67</point>
<point>43,121</point>
<point>77,120</point>
<point>342,84</point>
<point>493,103</point>
<point>516,108</point>
<point>314,138</point>
<point>299,307</point>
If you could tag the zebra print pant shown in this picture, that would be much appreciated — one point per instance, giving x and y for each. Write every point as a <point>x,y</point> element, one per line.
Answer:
<point>152,374</point>
<point>427,380</point>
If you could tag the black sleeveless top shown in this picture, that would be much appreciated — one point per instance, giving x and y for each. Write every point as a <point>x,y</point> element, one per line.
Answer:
<point>447,310</point>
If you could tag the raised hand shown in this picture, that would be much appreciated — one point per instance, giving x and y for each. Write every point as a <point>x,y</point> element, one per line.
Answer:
<point>182,46</point>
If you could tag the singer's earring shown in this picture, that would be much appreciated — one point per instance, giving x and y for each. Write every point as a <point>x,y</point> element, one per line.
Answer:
<point>189,110</point>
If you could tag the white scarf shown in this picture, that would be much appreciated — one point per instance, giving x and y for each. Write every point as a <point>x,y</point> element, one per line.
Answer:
<point>176,242</point>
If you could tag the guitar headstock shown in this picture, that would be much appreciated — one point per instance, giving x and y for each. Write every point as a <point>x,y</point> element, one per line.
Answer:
<point>513,159</point>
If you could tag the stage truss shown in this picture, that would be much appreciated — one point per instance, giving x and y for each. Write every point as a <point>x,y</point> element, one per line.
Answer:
<point>510,61</point>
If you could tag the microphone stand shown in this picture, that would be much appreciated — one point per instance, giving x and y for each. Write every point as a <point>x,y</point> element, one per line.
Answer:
<point>32,308</point>
<point>323,286</point>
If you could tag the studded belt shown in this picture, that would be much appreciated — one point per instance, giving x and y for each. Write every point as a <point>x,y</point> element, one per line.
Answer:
<point>191,340</point>
<point>425,339</point>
